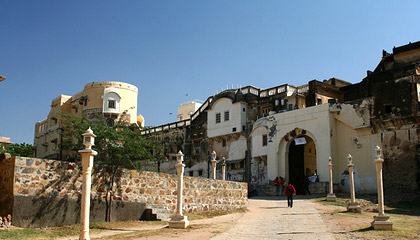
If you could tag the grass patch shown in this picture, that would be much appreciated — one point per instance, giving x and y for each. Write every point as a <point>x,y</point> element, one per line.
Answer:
<point>34,233</point>
<point>340,202</point>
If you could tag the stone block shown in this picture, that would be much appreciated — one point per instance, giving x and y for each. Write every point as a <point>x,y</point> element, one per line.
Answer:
<point>354,207</point>
<point>331,198</point>
<point>381,223</point>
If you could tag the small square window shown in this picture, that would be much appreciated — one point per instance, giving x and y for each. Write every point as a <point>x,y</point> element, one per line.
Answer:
<point>264,140</point>
<point>200,172</point>
<point>319,101</point>
<point>234,129</point>
<point>111,104</point>
<point>227,116</point>
<point>191,173</point>
<point>218,117</point>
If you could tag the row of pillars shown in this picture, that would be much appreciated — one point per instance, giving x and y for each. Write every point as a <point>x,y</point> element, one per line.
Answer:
<point>381,221</point>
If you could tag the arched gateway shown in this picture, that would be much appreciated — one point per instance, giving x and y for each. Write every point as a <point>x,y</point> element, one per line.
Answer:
<point>300,158</point>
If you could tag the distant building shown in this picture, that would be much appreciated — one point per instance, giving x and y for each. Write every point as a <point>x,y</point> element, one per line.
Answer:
<point>4,141</point>
<point>109,99</point>
<point>187,109</point>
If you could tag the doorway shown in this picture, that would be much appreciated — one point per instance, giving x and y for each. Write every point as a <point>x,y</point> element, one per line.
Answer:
<point>302,161</point>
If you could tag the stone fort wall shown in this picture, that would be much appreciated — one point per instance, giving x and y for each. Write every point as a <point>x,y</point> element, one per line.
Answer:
<point>40,192</point>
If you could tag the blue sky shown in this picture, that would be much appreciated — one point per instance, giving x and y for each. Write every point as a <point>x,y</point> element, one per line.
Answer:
<point>169,49</point>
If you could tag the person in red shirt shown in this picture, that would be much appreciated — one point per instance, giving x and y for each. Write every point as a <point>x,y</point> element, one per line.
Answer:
<point>275,181</point>
<point>281,186</point>
<point>290,193</point>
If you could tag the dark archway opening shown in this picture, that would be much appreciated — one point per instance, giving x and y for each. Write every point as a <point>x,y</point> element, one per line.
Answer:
<point>296,166</point>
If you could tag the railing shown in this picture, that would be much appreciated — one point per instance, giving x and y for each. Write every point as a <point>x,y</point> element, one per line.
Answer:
<point>165,127</point>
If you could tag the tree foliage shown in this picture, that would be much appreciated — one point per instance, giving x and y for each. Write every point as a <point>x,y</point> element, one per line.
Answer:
<point>118,147</point>
<point>18,149</point>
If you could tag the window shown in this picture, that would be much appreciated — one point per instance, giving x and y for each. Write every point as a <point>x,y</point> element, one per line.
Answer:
<point>218,117</point>
<point>191,173</point>
<point>111,104</point>
<point>290,107</point>
<point>318,101</point>
<point>223,143</point>
<point>200,172</point>
<point>265,111</point>
<point>110,122</point>
<point>227,116</point>
<point>234,129</point>
<point>243,128</point>
<point>243,109</point>
<point>264,140</point>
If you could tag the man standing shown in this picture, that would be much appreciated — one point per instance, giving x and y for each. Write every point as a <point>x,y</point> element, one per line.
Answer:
<point>290,192</point>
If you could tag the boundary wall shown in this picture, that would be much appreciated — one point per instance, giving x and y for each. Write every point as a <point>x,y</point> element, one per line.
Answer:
<point>41,192</point>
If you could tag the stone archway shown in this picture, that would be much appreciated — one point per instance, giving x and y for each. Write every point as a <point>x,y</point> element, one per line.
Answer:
<point>301,157</point>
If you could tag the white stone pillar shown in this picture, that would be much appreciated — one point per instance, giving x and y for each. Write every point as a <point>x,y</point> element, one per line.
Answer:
<point>87,164</point>
<point>224,169</point>
<point>331,196</point>
<point>381,221</point>
<point>178,220</point>
<point>213,163</point>
<point>353,205</point>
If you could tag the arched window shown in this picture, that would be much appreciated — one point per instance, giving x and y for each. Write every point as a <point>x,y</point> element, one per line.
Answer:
<point>111,100</point>
<point>110,122</point>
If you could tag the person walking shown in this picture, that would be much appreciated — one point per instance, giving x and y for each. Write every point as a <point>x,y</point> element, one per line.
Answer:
<point>290,193</point>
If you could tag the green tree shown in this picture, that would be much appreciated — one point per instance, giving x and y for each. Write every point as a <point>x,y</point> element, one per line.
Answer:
<point>16,149</point>
<point>118,147</point>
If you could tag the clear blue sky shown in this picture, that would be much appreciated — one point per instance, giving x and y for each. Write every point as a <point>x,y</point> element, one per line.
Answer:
<point>172,48</point>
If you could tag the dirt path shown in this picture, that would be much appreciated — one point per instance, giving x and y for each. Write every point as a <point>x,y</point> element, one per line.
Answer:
<point>267,218</point>
<point>270,218</point>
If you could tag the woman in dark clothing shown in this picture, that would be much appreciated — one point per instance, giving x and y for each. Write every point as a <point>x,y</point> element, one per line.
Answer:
<point>290,192</point>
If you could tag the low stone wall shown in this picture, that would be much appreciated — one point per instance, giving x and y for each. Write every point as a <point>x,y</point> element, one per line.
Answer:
<point>47,193</point>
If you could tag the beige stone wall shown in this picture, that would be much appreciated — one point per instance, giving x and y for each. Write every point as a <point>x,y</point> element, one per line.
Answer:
<point>48,178</point>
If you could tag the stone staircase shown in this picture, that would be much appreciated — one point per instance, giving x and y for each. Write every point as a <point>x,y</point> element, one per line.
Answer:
<point>154,213</point>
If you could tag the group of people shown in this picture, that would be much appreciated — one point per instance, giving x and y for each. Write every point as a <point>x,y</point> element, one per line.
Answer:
<point>6,221</point>
<point>290,190</point>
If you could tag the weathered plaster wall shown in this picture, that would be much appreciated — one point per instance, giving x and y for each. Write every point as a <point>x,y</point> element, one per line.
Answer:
<point>401,165</point>
<point>353,135</point>
<point>42,187</point>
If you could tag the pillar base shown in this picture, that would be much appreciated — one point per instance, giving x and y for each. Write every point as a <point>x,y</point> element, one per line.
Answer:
<point>354,207</point>
<point>331,198</point>
<point>381,223</point>
<point>179,222</point>
<point>84,235</point>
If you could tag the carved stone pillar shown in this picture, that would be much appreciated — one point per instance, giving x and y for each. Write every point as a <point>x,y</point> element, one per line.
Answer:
<point>178,220</point>
<point>331,196</point>
<point>353,205</point>
<point>381,221</point>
